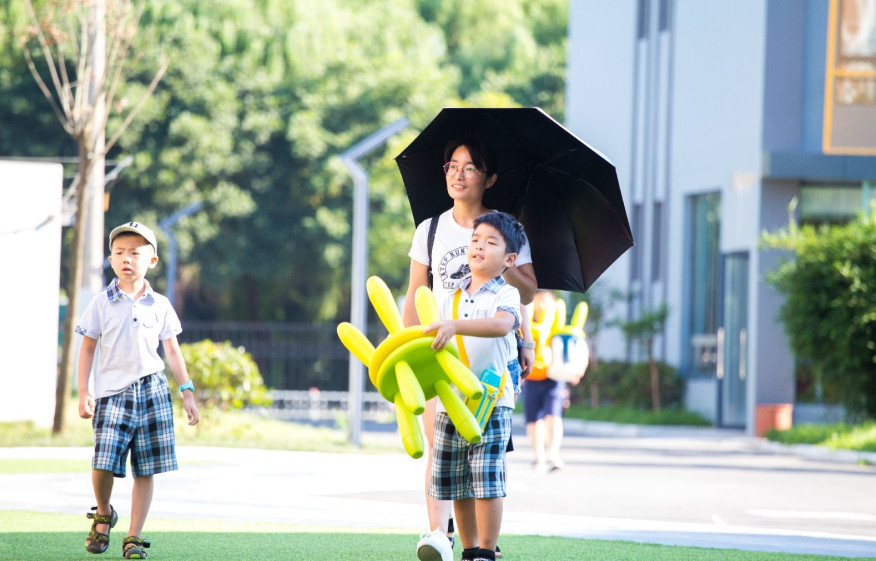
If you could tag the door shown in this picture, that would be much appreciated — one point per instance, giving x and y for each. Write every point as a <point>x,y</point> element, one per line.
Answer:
<point>733,342</point>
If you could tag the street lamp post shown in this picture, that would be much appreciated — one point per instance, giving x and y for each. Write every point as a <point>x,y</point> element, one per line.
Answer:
<point>165,226</point>
<point>360,262</point>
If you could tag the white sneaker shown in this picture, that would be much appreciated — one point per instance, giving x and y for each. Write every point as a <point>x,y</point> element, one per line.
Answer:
<point>434,546</point>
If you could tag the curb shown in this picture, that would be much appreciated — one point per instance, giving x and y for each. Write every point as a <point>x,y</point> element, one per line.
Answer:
<point>813,452</point>
<point>578,427</point>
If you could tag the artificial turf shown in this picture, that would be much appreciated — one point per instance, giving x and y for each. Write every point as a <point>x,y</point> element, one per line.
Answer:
<point>35,536</point>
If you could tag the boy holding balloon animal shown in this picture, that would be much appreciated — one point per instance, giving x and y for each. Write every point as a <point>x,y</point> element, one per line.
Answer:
<point>481,317</point>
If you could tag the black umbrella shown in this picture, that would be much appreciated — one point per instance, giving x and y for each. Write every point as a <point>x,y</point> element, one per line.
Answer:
<point>565,193</point>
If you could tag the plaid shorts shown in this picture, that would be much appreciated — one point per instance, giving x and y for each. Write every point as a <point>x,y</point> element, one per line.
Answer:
<point>139,419</point>
<point>461,470</point>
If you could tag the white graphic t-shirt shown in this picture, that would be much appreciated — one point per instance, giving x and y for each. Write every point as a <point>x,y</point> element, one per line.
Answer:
<point>449,265</point>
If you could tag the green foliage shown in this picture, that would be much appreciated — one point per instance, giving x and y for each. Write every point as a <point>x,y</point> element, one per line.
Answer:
<point>514,47</point>
<point>624,384</point>
<point>860,437</point>
<point>251,117</point>
<point>829,311</point>
<point>225,376</point>
<point>647,326</point>
<point>632,416</point>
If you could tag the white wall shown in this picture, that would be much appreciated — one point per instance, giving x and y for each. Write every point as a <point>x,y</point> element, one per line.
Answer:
<point>599,110</point>
<point>30,246</point>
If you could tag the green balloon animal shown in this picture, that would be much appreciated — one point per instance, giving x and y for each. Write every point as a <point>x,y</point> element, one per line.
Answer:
<point>407,371</point>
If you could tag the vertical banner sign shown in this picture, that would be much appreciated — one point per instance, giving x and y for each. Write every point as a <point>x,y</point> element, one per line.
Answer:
<point>850,79</point>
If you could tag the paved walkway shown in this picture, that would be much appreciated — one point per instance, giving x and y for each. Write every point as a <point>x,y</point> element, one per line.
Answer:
<point>385,490</point>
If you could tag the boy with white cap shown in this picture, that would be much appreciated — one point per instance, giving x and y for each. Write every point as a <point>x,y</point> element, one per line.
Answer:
<point>131,407</point>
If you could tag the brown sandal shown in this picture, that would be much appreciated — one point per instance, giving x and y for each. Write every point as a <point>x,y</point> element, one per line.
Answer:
<point>132,547</point>
<point>98,542</point>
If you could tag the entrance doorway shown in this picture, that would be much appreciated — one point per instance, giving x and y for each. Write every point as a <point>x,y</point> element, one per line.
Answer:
<point>732,368</point>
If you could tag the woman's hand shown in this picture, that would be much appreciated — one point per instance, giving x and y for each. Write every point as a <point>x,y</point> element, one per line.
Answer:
<point>527,359</point>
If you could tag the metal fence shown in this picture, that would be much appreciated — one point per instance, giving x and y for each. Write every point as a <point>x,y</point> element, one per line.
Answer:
<point>290,356</point>
<point>316,405</point>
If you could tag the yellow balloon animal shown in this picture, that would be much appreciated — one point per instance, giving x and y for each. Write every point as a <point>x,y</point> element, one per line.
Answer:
<point>407,372</point>
<point>561,350</point>
<point>570,354</point>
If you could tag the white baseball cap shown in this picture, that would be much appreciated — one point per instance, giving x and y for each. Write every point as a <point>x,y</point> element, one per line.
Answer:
<point>136,228</point>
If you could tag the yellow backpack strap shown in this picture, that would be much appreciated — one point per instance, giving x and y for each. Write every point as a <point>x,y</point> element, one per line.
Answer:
<point>463,356</point>
<point>459,346</point>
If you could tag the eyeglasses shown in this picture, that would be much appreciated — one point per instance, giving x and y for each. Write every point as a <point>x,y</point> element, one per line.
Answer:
<point>450,168</point>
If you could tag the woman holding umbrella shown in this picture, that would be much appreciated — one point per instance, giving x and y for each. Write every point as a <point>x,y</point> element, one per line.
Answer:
<point>470,170</point>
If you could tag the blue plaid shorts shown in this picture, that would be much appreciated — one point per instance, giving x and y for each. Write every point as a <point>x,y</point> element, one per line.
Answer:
<point>461,470</point>
<point>140,420</point>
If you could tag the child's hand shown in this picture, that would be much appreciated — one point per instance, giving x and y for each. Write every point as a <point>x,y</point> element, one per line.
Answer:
<point>191,408</point>
<point>444,331</point>
<point>86,406</point>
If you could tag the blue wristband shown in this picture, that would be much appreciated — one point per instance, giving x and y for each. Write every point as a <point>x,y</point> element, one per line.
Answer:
<point>187,386</point>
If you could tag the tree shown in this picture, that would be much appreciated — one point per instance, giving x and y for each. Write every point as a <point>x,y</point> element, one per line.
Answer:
<point>253,112</point>
<point>599,298</point>
<point>518,48</point>
<point>76,51</point>
<point>829,311</point>
<point>644,330</point>
<point>259,108</point>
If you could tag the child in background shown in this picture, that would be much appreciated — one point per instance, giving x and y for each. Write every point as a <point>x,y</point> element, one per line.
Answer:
<point>544,398</point>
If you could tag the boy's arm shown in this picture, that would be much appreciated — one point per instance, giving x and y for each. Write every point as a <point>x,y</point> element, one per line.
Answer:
<point>178,369</point>
<point>497,326</point>
<point>86,360</point>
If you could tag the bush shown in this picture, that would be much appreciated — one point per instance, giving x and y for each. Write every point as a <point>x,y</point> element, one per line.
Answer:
<point>625,384</point>
<point>225,376</point>
<point>829,311</point>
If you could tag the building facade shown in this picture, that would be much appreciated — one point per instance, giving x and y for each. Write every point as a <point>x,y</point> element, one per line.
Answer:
<point>723,118</point>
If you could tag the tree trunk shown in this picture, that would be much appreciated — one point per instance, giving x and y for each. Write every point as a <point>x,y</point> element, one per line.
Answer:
<point>74,282</point>
<point>655,379</point>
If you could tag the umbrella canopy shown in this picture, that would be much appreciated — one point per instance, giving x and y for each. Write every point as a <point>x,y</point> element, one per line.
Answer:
<point>565,193</point>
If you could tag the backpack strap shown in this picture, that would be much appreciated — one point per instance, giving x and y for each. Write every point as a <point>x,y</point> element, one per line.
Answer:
<point>430,241</point>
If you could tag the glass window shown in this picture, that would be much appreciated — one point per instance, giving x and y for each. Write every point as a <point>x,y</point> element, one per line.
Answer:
<point>831,204</point>
<point>850,79</point>
<point>642,19</point>
<point>657,242</point>
<point>665,6</point>
<point>636,252</point>
<point>702,299</point>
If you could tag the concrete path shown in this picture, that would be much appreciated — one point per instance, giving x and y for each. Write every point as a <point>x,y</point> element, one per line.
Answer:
<point>705,488</point>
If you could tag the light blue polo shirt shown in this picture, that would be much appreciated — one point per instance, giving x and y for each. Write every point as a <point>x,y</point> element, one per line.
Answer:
<point>487,352</point>
<point>128,333</point>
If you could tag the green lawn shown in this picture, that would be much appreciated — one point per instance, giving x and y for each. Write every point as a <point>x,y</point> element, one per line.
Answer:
<point>632,416</point>
<point>860,437</point>
<point>31,536</point>
<point>230,429</point>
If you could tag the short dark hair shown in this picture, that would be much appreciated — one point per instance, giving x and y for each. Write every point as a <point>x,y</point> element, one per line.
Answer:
<point>482,153</point>
<point>510,229</point>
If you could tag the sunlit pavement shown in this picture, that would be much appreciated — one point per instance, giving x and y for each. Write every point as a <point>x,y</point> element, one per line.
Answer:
<point>694,487</point>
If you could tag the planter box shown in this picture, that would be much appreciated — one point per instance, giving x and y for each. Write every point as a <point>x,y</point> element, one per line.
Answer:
<point>768,416</point>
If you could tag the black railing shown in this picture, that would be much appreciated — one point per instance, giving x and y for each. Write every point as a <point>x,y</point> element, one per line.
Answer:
<point>290,356</point>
